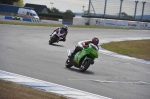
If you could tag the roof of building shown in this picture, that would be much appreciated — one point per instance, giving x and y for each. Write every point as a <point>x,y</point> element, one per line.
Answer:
<point>37,8</point>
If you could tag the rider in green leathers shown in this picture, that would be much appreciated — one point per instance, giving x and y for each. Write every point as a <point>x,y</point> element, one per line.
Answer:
<point>85,44</point>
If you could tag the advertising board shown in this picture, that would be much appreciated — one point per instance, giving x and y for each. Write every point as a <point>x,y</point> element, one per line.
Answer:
<point>122,23</point>
<point>132,24</point>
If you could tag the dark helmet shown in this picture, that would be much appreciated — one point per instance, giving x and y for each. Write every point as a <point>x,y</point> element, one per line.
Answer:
<point>95,40</point>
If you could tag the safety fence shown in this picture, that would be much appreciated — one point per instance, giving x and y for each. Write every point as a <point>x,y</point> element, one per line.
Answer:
<point>138,10</point>
<point>110,23</point>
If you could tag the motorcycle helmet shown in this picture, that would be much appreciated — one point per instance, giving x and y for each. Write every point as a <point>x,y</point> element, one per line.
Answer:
<point>65,27</point>
<point>95,40</point>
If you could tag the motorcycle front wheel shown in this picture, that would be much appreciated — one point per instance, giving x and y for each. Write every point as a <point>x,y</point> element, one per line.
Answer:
<point>68,63</point>
<point>85,65</point>
<point>53,39</point>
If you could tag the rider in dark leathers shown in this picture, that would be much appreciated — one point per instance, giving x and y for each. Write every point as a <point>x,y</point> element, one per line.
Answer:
<point>62,30</point>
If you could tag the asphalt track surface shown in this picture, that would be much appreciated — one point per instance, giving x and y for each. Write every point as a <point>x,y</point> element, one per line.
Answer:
<point>25,50</point>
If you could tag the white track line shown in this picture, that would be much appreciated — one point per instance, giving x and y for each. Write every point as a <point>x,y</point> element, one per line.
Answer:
<point>49,87</point>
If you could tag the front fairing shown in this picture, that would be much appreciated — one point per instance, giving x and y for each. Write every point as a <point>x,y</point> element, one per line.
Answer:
<point>91,51</point>
<point>59,35</point>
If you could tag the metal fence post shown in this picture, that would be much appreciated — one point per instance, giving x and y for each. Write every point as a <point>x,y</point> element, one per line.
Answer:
<point>89,7</point>
<point>120,8</point>
<point>105,7</point>
<point>136,2</point>
<point>143,10</point>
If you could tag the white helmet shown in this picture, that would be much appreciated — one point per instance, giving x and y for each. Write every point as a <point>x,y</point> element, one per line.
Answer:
<point>65,27</point>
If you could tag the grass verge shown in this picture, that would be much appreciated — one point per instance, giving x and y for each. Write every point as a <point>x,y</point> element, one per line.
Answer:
<point>10,90</point>
<point>137,48</point>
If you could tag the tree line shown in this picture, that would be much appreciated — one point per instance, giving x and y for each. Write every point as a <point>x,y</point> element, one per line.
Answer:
<point>12,2</point>
<point>8,1</point>
<point>55,13</point>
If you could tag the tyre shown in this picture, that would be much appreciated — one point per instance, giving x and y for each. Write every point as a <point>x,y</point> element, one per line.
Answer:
<point>50,41</point>
<point>85,65</point>
<point>53,39</point>
<point>68,63</point>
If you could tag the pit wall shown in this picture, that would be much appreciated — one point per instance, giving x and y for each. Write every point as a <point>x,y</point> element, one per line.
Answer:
<point>110,23</point>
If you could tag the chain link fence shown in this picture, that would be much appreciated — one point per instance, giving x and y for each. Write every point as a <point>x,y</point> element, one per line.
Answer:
<point>120,9</point>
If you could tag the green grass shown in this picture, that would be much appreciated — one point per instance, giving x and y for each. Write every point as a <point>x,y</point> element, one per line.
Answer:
<point>137,48</point>
<point>10,90</point>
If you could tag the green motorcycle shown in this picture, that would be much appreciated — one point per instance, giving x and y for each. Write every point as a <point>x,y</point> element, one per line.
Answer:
<point>84,58</point>
<point>16,18</point>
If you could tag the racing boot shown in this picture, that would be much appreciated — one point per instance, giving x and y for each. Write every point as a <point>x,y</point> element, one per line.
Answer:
<point>72,55</point>
<point>64,39</point>
<point>76,49</point>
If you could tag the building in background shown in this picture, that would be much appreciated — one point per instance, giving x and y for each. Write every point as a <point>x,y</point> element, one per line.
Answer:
<point>37,8</point>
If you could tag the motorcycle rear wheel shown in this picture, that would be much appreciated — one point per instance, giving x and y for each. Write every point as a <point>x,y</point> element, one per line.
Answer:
<point>85,65</point>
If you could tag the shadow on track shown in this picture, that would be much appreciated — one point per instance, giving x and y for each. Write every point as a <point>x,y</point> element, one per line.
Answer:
<point>76,70</point>
<point>57,45</point>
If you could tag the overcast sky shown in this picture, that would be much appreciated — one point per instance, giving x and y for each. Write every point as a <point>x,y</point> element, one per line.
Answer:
<point>77,5</point>
<point>62,5</point>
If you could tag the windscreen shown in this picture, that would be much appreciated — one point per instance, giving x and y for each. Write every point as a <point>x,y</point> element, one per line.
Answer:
<point>33,13</point>
<point>94,47</point>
